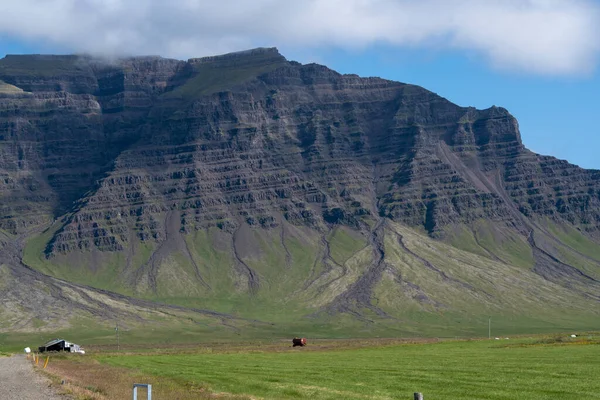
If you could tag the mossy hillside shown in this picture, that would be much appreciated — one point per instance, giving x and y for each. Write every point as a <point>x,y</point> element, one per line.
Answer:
<point>102,270</point>
<point>213,76</point>
<point>6,88</point>
<point>428,288</point>
<point>345,243</point>
<point>469,288</point>
<point>573,238</point>
<point>486,239</point>
<point>575,249</point>
<point>43,65</point>
<point>4,277</point>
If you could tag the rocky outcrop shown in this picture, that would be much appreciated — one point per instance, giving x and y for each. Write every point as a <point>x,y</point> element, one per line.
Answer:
<point>243,138</point>
<point>250,177</point>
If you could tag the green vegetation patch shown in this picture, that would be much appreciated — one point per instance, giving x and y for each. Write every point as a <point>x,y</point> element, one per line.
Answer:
<point>42,65</point>
<point>213,76</point>
<point>488,240</point>
<point>9,89</point>
<point>450,370</point>
<point>574,239</point>
<point>576,249</point>
<point>103,270</point>
<point>344,243</point>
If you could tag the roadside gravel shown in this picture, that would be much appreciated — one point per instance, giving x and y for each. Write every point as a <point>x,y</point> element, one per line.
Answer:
<point>18,381</point>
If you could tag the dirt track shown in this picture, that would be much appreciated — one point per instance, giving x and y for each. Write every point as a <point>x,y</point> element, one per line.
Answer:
<point>18,381</point>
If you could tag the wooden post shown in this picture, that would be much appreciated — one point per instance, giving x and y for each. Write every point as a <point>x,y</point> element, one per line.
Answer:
<point>418,396</point>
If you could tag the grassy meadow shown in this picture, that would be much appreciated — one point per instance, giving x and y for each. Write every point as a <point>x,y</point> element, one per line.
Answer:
<point>525,368</point>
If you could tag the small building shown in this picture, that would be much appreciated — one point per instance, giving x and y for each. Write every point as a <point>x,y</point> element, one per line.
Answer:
<point>60,345</point>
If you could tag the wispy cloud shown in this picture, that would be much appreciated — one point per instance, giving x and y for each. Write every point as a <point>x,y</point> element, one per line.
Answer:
<point>556,37</point>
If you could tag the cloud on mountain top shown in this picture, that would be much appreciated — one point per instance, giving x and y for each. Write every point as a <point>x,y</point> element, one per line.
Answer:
<point>554,37</point>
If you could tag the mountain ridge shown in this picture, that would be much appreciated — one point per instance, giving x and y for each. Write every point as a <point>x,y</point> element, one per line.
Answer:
<point>247,176</point>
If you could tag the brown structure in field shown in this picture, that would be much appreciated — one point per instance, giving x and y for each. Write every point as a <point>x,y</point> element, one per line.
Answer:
<point>298,342</point>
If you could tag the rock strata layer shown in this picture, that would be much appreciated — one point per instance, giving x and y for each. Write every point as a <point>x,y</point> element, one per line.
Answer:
<point>241,138</point>
<point>250,176</point>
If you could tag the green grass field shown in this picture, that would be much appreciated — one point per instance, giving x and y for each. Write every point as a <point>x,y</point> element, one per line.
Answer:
<point>506,369</point>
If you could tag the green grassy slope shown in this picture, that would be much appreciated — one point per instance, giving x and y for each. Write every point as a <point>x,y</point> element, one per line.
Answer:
<point>485,239</point>
<point>428,288</point>
<point>9,89</point>
<point>42,65</point>
<point>212,76</point>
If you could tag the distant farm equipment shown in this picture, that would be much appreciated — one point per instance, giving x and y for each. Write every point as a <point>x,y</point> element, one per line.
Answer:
<point>299,342</point>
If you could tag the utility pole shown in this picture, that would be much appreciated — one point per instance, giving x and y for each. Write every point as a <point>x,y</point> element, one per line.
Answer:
<point>489,327</point>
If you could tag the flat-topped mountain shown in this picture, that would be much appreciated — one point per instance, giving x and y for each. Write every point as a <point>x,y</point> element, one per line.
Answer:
<point>262,188</point>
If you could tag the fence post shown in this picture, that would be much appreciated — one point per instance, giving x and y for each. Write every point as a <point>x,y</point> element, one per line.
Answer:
<point>418,396</point>
<point>137,385</point>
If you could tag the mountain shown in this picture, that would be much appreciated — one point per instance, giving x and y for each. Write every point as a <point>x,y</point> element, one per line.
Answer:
<point>260,189</point>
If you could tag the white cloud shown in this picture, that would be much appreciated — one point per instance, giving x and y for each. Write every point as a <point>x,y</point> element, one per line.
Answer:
<point>539,36</point>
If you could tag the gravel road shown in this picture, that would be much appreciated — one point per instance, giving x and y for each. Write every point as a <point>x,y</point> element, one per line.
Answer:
<point>18,381</point>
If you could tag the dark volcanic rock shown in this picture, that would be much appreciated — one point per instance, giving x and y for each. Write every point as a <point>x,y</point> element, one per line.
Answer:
<point>243,138</point>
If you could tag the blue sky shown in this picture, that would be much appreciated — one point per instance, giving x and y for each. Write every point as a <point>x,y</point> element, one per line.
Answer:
<point>537,58</point>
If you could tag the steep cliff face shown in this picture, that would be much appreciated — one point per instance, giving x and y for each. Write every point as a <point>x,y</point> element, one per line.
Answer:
<point>301,139</point>
<point>62,132</point>
<point>135,157</point>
